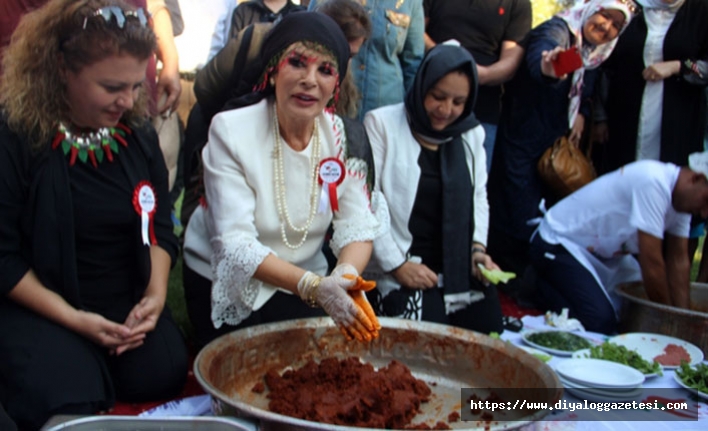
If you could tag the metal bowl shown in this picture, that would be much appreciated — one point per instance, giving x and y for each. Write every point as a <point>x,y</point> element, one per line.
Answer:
<point>638,314</point>
<point>446,357</point>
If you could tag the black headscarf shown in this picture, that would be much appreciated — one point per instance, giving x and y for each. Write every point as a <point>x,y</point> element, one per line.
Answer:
<point>296,27</point>
<point>457,184</point>
<point>437,63</point>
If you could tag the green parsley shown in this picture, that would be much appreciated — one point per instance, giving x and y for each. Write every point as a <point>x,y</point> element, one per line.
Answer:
<point>696,378</point>
<point>620,354</point>
<point>559,340</point>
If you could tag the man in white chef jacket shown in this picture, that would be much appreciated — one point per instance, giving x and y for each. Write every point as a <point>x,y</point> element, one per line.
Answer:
<point>628,225</point>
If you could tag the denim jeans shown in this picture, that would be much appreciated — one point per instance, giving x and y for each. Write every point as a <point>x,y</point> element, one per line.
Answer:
<point>490,135</point>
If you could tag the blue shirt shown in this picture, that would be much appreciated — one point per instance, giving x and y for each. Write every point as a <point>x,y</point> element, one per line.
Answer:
<point>388,61</point>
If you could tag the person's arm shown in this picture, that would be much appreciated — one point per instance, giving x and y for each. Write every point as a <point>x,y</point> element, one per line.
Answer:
<point>678,268</point>
<point>504,69</point>
<point>653,266</point>
<point>168,83</point>
<point>691,70</point>
<point>427,40</point>
<point>427,10</point>
<point>144,315</point>
<point>544,44</point>
<point>356,254</point>
<point>31,294</point>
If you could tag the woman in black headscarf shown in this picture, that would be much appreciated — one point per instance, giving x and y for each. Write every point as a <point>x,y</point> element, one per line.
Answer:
<point>430,166</point>
<point>277,173</point>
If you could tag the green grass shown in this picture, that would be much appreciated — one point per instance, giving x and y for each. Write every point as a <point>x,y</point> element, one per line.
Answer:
<point>176,302</point>
<point>697,258</point>
<point>175,289</point>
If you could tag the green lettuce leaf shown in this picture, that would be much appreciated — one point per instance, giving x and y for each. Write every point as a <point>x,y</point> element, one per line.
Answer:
<point>495,276</point>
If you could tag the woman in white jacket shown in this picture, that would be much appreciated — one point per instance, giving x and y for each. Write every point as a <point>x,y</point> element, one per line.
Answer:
<point>430,166</point>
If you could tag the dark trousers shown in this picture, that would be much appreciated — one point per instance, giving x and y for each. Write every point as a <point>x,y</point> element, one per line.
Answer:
<point>563,282</point>
<point>197,292</point>
<point>47,370</point>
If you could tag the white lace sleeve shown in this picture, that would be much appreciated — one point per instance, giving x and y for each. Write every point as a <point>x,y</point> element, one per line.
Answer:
<point>234,290</point>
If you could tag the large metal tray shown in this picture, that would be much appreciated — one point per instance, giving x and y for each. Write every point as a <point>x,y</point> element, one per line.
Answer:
<point>446,357</point>
<point>133,423</point>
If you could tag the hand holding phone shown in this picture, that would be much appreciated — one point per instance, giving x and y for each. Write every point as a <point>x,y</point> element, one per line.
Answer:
<point>567,61</point>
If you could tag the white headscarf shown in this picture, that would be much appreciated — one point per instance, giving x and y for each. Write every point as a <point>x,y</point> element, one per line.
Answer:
<point>576,17</point>
<point>672,5</point>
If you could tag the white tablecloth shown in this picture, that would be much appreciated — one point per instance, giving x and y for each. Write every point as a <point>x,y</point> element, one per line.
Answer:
<point>556,421</point>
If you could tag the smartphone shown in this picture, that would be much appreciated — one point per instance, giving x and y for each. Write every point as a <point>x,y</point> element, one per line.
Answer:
<point>567,61</point>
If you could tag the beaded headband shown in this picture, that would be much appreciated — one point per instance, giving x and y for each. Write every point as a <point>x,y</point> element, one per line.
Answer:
<point>121,16</point>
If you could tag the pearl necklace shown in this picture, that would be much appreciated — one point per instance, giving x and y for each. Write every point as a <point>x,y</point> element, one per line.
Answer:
<point>280,193</point>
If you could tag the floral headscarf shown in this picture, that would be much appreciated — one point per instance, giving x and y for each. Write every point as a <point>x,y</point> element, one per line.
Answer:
<point>576,17</point>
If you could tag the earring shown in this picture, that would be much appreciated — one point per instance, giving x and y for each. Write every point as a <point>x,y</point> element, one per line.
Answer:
<point>271,81</point>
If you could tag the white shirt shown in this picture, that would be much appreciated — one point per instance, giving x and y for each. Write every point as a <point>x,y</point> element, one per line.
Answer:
<point>222,30</point>
<point>599,223</point>
<point>649,132</point>
<point>228,240</point>
<point>200,18</point>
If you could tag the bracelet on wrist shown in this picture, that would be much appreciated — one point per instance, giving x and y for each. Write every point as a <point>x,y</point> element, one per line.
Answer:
<point>311,299</point>
<point>478,250</point>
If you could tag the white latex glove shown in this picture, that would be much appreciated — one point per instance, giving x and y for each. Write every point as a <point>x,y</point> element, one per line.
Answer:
<point>331,293</point>
<point>344,268</point>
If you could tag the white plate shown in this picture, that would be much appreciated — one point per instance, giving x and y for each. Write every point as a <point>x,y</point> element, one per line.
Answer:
<point>557,352</point>
<point>580,354</point>
<point>652,345</point>
<point>693,390</point>
<point>609,392</point>
<point>600,398</point>
<point>542,356</point>
<point>598,373</point>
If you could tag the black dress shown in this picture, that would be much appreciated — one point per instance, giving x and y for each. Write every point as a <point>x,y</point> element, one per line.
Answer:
<point>77,229</point>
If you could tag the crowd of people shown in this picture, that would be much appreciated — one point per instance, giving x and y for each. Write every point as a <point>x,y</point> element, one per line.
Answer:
<point>324,141</point>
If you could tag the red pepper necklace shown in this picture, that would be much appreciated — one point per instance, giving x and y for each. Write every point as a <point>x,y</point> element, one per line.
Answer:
<point>91,145</point>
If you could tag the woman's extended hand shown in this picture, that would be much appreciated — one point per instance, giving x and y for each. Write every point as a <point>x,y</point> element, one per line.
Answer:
<point>415,276</point>
<point>141,320</point>
<point>486,261</point>
<point>104,332</point>
<point>547,59</point>
<point>662,70</point>
<point>331,294</point>
<point>576,132</point>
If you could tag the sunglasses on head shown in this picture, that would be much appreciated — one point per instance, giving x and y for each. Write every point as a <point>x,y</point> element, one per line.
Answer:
<point>108,12</point>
